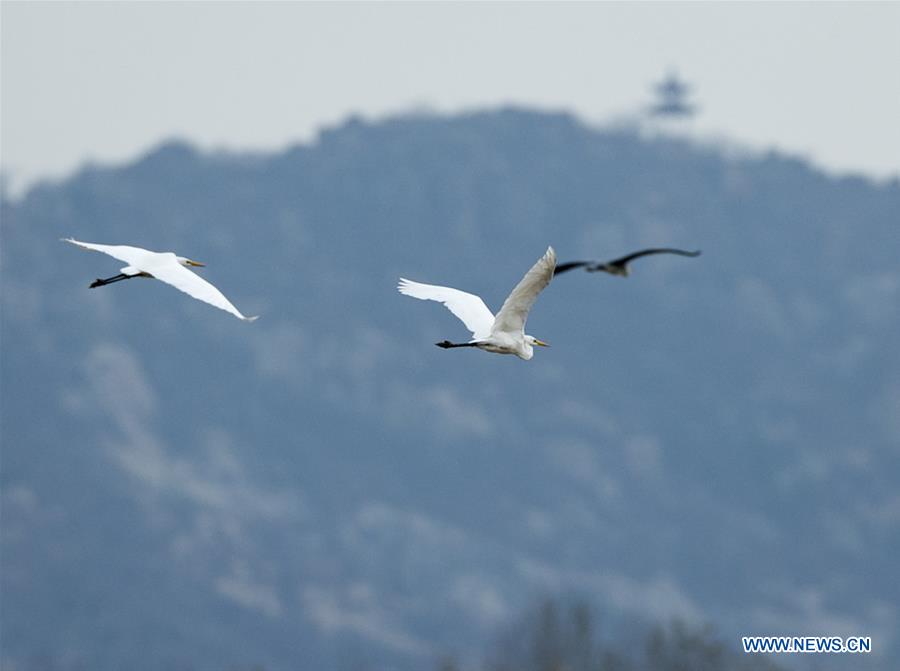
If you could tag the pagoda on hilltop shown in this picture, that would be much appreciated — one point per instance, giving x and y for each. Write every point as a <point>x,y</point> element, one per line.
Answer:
<point>672,99</point>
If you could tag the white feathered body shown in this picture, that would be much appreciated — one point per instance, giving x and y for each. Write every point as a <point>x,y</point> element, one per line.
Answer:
<point>507,343</point>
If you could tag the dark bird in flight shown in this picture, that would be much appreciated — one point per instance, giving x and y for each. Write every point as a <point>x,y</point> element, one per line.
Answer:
<point>619,266</point>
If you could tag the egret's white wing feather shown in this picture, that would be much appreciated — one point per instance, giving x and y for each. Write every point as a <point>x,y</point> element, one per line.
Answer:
<point>193,285</point>
<point>468,307</point>
<point>133,256</point>
<point>512,315</point>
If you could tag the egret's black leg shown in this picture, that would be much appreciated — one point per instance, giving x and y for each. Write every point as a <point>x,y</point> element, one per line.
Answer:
<point>446,344</point>
<point>109,280</point>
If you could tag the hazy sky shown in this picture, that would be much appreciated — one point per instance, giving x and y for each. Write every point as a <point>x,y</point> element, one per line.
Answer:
<point>104,82</point>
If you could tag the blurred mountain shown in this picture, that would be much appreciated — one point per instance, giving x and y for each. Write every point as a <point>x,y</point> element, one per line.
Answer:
<point>713,439</point>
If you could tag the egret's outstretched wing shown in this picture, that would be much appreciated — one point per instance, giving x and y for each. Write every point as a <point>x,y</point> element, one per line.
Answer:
<point>514,312</point>
<point>571,265</point>
<point>468,307</point>
<point>647,252</point>
<point>193,285</point>
<point>133,256</point>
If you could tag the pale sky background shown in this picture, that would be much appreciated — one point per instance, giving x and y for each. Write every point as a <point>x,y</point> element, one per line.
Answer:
<point>105,82</point>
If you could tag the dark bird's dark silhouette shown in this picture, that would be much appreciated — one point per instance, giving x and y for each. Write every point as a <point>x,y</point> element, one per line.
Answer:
<point>619,266</point>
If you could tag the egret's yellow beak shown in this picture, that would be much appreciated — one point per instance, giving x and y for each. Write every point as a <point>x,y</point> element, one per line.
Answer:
<point>195,263</point>
<point>541,343</point>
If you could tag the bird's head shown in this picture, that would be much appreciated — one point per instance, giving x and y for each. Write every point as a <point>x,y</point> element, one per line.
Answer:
<point>531,340</point>
<point>187,262</point>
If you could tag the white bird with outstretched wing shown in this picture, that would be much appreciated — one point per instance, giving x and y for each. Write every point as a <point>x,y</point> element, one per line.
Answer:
<point>503,334</point>
<point>164,266</point>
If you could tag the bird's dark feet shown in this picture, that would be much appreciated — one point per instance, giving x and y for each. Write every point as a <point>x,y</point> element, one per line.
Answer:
<point>97,283</point>
<point>446,344</point>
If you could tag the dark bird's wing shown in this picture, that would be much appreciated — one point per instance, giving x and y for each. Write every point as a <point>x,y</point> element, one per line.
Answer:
<point>646,252</point>
<point>571,265</point>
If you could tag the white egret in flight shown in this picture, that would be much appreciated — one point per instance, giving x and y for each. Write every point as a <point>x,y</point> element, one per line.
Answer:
<point>164,266</point>
<point>619,266</point>
<point>503,334</point>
